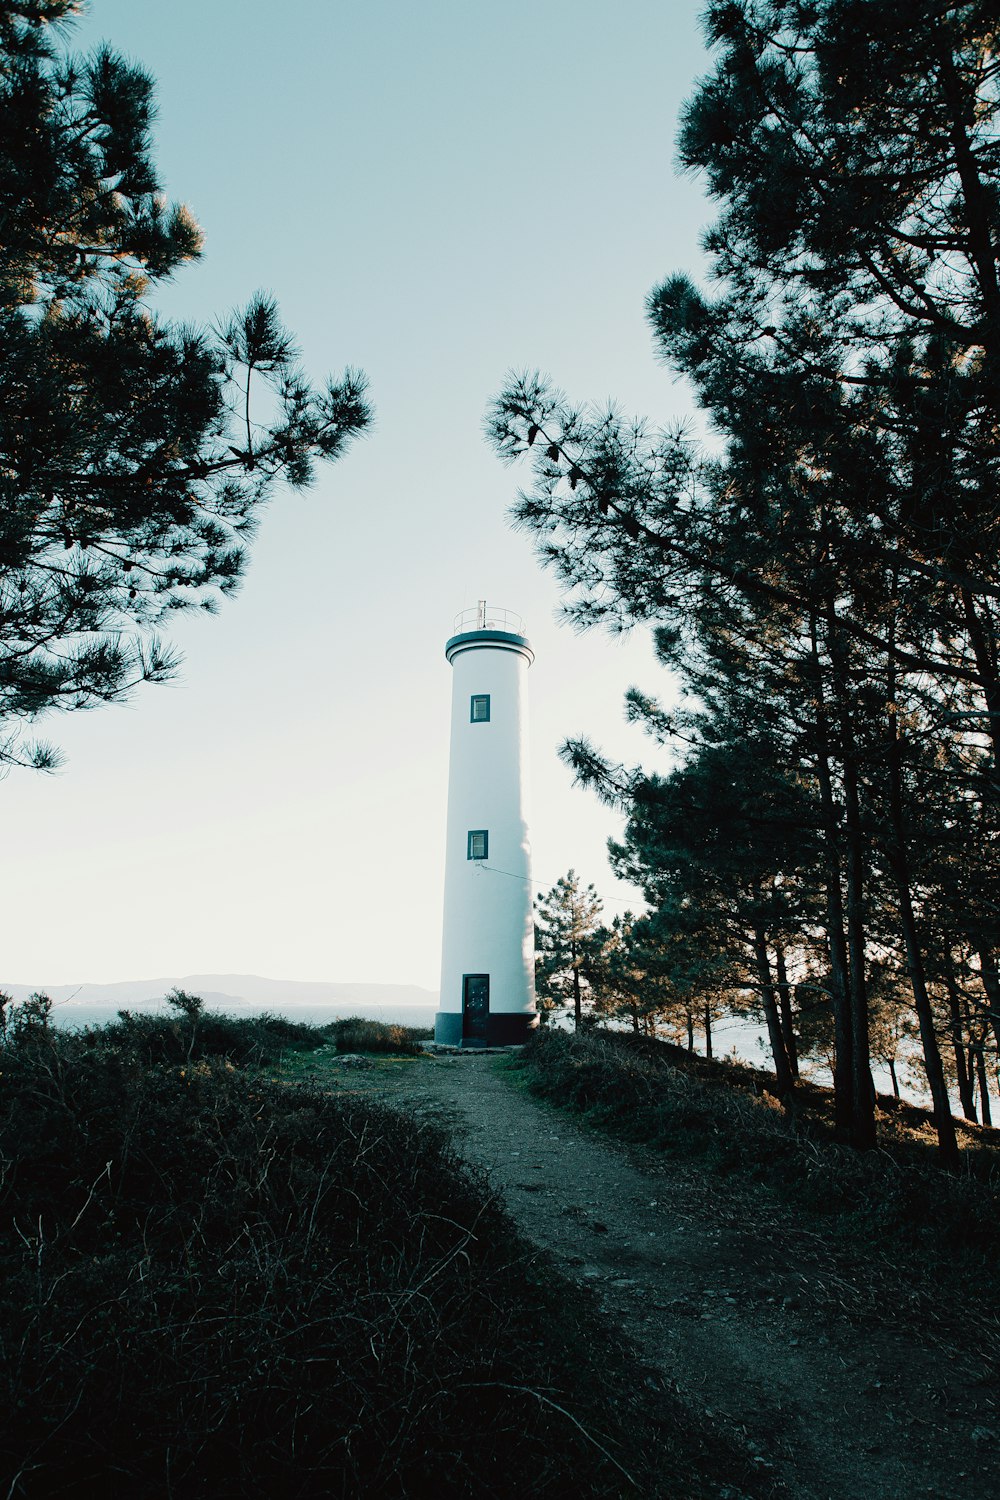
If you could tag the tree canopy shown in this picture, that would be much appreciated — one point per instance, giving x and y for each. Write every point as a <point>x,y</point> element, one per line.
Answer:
<point>825,581</point>
<point>567,943</point>
<point>135,454</point>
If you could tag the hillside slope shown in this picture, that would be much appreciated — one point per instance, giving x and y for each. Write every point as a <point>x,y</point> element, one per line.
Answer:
<point>839,1377</point>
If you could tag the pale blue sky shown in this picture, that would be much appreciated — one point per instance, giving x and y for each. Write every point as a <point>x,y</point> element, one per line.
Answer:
<point>436,193</point>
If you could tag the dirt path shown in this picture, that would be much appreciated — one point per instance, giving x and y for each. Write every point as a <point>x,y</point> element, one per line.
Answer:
<point>751,1317</point>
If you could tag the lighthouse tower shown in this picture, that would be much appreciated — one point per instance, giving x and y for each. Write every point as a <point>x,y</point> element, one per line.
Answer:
<point>488,953</point>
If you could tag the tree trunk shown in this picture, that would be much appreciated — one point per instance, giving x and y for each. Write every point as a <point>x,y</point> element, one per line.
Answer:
<point>708,1030</point>
<point>690,1026</point>
<point>892,1075</point>
<point>836,942</point>
<point>984,1085</point>
<point>943,1122</point>
<point>784,1080</point>
<point>862,1084</point>
<point>965,1093</point>
<point>985,651</point>
<point>975,191</point>
<point>976,1029</point>
<point>785,1002</point>
<point>991,984</point>
<point>577,999</point>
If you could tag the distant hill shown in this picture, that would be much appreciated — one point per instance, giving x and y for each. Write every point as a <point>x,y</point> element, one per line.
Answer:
<point>230,988</point>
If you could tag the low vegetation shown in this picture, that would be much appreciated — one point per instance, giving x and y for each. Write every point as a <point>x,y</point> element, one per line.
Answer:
<point>895,1212</point>
<point>187,1032</point>
<point>190,1034</point>
<point>218,1283</point>
<point>354,1034</point>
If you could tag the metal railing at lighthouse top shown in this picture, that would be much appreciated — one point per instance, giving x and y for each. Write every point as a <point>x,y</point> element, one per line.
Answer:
<point>483,618</point>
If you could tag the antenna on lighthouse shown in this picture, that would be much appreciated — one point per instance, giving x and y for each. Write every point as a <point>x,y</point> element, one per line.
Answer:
<point>488,947</point>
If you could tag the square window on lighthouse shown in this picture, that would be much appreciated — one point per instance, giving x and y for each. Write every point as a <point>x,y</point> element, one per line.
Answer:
<point>479,843</point>
<point>480,711</point>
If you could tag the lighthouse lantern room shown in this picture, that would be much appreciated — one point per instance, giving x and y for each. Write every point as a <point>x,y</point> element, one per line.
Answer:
<point>488,956</point>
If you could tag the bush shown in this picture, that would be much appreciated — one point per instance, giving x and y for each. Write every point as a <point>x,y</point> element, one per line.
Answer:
<point>193,1034</point>
<point>353,1034</point>
<point>212,1284</point>
<point>645,1096</point>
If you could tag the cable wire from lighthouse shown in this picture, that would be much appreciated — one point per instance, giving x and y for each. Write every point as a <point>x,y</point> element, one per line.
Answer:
<point>482,866</point>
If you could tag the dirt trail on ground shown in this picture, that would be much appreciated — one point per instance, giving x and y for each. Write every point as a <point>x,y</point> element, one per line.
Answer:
<point>726,1294</point>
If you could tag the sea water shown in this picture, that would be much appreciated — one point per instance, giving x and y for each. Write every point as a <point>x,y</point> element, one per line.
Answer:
<point>314,1013</point>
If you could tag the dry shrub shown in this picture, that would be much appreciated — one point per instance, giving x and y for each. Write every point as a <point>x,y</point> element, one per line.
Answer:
<point>190,1034</point>
<point>216,1285</point>
<point>354,1034</point>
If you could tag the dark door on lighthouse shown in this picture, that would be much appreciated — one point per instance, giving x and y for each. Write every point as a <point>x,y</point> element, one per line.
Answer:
<point>475,1006</point>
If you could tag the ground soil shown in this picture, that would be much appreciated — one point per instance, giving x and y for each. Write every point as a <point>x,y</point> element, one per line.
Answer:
<point>738,1303</point>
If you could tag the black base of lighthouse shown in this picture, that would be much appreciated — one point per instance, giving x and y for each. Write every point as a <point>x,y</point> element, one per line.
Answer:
<point>502,1030</point>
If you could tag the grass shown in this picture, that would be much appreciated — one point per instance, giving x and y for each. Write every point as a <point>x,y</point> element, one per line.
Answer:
<point>213,1284</point>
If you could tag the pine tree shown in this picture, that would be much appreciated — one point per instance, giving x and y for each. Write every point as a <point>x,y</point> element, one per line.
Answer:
<point>567,942</point>
<point>849,529</point>
<point>631,977</point>
<point>135,455</point>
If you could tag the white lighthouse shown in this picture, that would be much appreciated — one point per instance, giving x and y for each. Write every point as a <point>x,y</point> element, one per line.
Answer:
<point>488,952</point>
